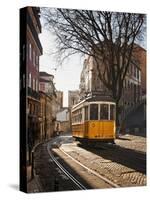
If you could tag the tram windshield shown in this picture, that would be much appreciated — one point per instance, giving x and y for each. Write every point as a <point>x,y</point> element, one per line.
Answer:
<point>112,112</point>
<point>104,111</point>
<point>94,112</point>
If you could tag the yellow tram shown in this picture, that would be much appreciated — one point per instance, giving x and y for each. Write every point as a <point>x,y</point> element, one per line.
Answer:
<point>93,119</point>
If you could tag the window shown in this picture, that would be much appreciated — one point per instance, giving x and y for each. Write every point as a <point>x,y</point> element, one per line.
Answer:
<point>29,81</point>
<point>37,88</point>
<point>139,75</point>
<point>104,112</point>
<point>37,61</point>
<point>94,112</point>
<point>42,86</point>
<point>30,51</point>
<point>86,112</point>
<point>27,51</point>
<point>112,112</point>
<point>32,109</point>
<point>29,107</point>
<point>73,100</point>
<point>80,115</point>
<point>33,84</point>
<point>134,71</point>
<point>33,57</point>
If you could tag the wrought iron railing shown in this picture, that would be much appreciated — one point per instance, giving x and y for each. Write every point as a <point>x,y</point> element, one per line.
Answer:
<point>33,93</point>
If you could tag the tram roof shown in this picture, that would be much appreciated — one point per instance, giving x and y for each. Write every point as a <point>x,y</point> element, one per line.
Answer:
<point>94,99</point>
<point>100,98</point>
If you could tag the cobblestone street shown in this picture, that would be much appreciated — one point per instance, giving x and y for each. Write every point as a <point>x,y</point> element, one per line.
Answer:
<point>124,164</point>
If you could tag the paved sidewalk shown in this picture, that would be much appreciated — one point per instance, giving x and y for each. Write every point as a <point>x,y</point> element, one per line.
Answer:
<point>137,143</point>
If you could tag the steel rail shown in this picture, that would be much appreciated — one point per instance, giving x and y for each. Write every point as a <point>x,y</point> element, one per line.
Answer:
<point>65,171</point>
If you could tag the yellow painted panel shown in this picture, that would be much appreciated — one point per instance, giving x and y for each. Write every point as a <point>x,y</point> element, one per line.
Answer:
<point>101,129</point>
<point>77,130</point>
<point>95,130</point>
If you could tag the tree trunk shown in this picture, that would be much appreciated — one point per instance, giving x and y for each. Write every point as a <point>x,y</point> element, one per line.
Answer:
<point>117,113</point>
<point>117,118</point>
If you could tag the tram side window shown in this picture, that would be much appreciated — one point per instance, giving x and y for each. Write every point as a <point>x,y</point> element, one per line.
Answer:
<point>86,112</point>
<point>80,115</point>
<point>104,111</point>
<point>112,112</point>
<point>94,112</point>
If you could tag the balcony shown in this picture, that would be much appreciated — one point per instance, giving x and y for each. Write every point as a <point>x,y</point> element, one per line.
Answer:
<point>33,94</point>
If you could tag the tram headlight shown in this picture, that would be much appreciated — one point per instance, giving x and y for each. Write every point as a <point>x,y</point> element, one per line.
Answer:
<point>93,125</point>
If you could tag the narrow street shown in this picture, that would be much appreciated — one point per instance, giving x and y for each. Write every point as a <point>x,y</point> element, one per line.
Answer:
<point>104,166</point>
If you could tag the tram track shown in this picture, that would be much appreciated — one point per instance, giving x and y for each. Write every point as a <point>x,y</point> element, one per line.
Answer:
<point>92,171</point>
<point>88,170</point>
<point>62,165</point>
<point>65,171</point>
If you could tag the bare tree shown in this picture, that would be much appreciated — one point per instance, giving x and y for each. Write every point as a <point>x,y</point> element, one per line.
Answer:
<point>109,37</point>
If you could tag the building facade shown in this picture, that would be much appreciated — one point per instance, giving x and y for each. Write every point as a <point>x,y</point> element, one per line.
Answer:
<point>140,56</point>
<point>89,80</point>
<point>34,51</point>
<point>42,116</point>
<point>53,103</point>
<point>62,120</point>
<point>73,97</point>
<point>46,85</point>
<point>133,87</point>
<point>59,95</point>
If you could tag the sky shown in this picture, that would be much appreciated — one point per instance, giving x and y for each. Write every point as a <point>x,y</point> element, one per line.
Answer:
<point>67,76</point>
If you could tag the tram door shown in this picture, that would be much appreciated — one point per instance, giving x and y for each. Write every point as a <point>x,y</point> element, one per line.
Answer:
<point>107,115</point>
<point>95,125</point>
<point>103,118</point>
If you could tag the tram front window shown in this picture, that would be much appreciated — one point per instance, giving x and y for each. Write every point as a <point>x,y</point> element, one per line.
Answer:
<point>94,112</point>
<point>112,112</point>
<point>104,112</point>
